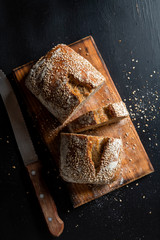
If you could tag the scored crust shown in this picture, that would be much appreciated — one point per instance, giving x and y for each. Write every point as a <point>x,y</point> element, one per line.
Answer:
<point>62,80</point>
<point>89,159</point>
<point>105,115</point>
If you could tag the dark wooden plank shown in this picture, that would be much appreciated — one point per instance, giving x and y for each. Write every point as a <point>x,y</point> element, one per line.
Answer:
<point>135,164</point>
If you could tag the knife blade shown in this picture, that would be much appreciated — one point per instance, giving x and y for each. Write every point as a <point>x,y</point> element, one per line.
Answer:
<point>29,156</point>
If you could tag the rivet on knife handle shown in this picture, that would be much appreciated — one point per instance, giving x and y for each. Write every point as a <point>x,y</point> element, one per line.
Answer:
<point>55,224</point>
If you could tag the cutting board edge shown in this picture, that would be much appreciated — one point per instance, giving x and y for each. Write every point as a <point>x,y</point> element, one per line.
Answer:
<point>122,185</point>
<point>151,169</point>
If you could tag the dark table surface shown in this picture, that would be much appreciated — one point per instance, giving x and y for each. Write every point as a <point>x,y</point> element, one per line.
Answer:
<point>127,34</point>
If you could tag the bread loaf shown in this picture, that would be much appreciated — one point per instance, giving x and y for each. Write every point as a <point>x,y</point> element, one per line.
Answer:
<point>89,159</point>
<point>62,80</point>
<point>108,114</point>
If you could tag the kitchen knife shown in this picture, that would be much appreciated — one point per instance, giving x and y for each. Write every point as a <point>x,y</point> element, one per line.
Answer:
<point>29,156</point>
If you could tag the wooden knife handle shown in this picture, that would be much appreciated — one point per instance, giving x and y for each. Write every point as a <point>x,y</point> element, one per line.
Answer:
<point>55,224</point>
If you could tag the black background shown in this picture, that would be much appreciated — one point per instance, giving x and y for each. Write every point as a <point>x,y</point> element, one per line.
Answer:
<point>124,31</point>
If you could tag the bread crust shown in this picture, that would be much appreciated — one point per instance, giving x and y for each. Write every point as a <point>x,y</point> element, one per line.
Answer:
<point>105,115</point>
<point>62,80</point>
<point>89,159</point>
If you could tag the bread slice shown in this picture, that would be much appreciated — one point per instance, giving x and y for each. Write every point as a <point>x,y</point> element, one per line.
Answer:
<point>63,80</point>
<point>89,159</point>
<point>108,114</point>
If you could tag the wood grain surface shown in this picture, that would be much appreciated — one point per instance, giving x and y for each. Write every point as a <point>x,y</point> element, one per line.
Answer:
<point>53,221</point>
<point>135,164</point>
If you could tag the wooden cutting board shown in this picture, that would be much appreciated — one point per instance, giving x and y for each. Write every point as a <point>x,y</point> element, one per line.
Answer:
<point>135,164</point>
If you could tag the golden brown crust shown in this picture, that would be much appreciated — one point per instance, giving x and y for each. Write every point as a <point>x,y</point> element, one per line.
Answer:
<point>62,80</point>
<point>89,159</point>
<point>105,115</point>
